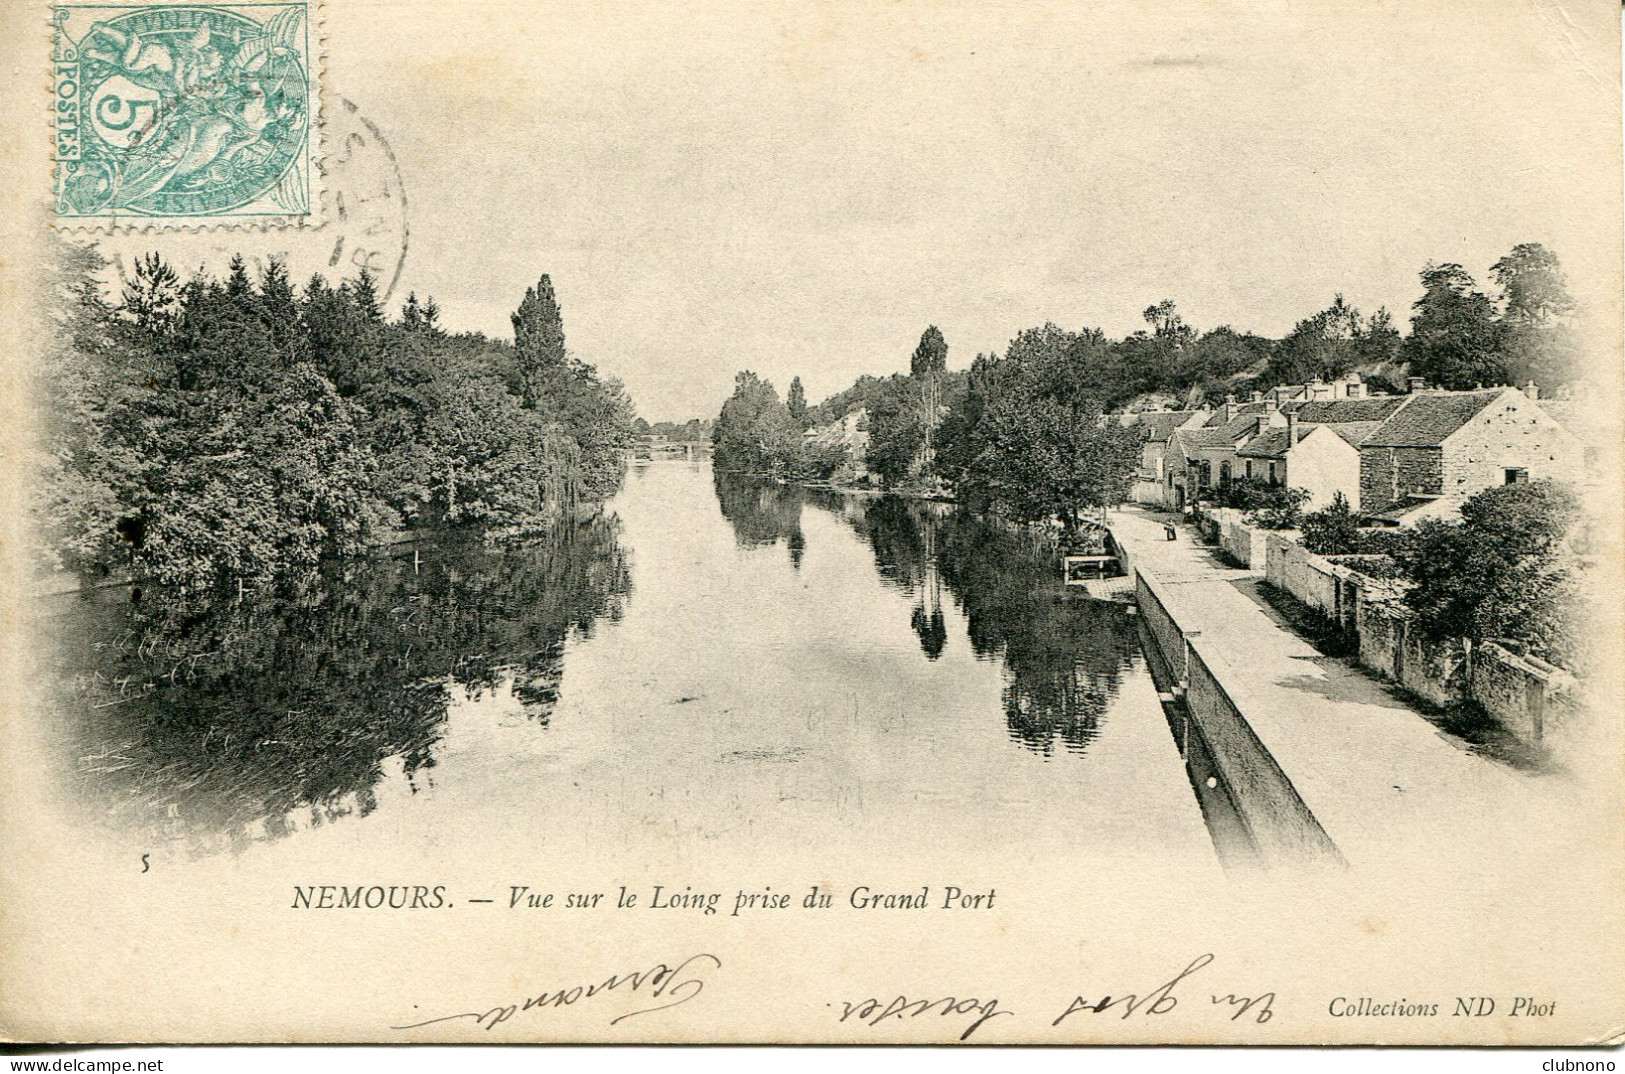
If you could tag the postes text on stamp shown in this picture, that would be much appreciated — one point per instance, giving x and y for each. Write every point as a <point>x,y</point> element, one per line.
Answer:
<point>185,114</point>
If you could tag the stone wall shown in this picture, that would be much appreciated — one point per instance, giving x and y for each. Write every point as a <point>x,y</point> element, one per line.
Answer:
<point>1280,825</point>
<point>1244,544</point>
<point>1310,578</point>
<point>1146,492</point>
<point>1389,474</point>
<point>1388,646</point>
<point>1515,433</point>
<point>1537,701</point>
<point>1169,638</point>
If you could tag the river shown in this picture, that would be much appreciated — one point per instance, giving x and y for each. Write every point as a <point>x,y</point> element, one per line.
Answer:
<point>713,660</point>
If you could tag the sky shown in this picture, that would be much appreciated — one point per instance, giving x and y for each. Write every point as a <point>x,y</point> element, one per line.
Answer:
<point>799,189</point>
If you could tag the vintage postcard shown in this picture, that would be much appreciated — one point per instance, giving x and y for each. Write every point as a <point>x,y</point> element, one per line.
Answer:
<point>1042,522</point>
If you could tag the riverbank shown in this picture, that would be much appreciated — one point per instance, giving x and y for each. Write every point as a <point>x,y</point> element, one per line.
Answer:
<point>64,583</point>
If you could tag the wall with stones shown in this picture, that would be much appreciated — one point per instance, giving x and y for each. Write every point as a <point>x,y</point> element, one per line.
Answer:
<point>1389,474</point>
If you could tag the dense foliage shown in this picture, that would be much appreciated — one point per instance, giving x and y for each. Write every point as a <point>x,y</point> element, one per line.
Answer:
<point>1334,530</point>
<point>757,434</point>
<point>1503,571</point>
<point>1271,506</point>
<point>210,429</point>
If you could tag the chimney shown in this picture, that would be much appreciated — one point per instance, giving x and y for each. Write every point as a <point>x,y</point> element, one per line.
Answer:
<point>1257,397</point>
<point>1355,388</point>
<point>1228,410</point>
<point>1532,390</point>
<point>1415,384</point>
<point>1291,429</point>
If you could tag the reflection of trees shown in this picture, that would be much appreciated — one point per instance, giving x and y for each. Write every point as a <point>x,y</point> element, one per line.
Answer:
<point>1063,657</point>
<point>205,717</point>
<point>761,512</point>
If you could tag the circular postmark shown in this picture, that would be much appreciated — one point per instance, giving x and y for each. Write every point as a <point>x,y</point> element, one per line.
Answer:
<point>189,111</point>
<point>365,219</point>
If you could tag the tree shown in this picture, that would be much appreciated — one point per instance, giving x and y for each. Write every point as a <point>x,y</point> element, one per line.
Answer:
<point>568,392</point>
<point>153,298</point>
<point>1167,324</point>
<point>214,429</point>
<point>930,355</point>
<point>1044,459</point>
<point>412,313</point>
<point>1537,316</point>
<point>1322,347</point>
<point>1456,339</point>
<point>755,433</point>
<point>930,361</point>
<point>365,291</point>
<point>897,431</point>
<point>1503,571</point>
<point>538,339</point>
<point>1220,356</point>
<point>1334,530</point>
<point>1268,505</point>
<point>796,400</point>
<point>1379,344</point>
<point>83,474</point>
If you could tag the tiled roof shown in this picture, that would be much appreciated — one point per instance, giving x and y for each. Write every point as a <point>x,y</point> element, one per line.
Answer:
<point>1430,417</point>
<point>1236,410</point>
<point>1355,432</point>
<point>1327,411</point>
<point>1193,437</point>
<point>1269,444</point>
<point>1272,442</point>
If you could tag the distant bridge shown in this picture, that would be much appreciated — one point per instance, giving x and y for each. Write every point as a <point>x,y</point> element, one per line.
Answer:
<point>647,448</point>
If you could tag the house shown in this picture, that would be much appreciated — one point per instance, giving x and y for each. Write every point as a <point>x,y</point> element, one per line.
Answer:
<point>1329,421</point>
<point>1318,446</point>
<point>850,432</point>
<point>1201,459</point>
<point>1323,460</point>
<point>1442,447</point>
<point>1156,429</point>
<point>1350,387</point>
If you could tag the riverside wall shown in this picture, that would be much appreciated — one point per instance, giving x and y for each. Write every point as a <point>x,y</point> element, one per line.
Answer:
<point>1215,699</point>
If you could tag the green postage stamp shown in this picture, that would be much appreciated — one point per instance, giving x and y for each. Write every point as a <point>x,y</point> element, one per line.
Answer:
<point>185,114</point>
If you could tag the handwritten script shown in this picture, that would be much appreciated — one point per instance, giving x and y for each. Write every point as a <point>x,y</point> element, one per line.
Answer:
<point>1160,999</point>
<point>665,985</point>
<point>671,984</point>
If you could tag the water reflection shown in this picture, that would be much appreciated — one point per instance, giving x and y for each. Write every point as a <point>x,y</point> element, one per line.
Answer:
<point>762,513</point>
<point>1063,655</point>
<point>226,720</point>
<point>797,663</point>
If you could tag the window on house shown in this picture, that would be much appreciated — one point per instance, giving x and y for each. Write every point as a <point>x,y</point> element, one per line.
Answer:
<point>1249,469</point>
<point>1516,476</point>
<point>1272,473</point>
